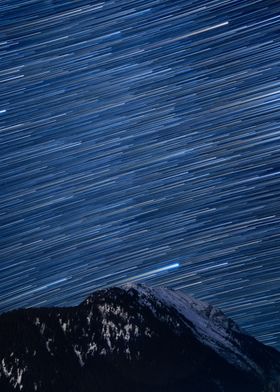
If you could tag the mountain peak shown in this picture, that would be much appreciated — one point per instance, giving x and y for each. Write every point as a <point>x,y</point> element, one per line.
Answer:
<point>210,326</point>
<point>132,337</point>
<point>186,305</point>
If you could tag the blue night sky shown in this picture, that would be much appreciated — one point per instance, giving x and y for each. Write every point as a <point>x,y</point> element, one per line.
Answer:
<point>140,142</point>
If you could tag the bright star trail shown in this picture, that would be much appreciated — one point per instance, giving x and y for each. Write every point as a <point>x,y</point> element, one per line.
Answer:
<point>140,141</point>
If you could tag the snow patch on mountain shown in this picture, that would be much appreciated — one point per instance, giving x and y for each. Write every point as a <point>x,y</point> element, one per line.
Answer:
<point>13,373</point>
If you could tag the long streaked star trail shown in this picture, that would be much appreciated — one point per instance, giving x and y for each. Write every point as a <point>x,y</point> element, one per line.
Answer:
<point>140,142</point>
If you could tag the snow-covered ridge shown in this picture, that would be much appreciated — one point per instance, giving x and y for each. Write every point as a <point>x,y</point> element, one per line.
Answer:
<point>210,326</point>
<point>187,306</point>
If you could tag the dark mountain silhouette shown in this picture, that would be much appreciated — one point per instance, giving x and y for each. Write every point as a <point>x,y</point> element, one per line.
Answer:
<point>132,339</point>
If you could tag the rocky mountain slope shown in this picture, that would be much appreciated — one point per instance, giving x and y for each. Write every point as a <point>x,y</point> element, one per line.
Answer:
<point>132,338</point>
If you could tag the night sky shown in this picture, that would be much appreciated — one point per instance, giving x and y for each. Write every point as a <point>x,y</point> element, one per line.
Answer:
<point>140,142</point>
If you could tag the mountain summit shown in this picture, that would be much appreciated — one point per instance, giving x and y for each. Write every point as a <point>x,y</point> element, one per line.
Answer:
<point>132,338</point>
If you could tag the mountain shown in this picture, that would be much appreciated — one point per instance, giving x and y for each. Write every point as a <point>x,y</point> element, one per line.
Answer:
<point>132,338</point>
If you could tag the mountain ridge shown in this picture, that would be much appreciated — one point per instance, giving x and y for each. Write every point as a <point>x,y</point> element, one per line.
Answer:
<point>136,338</point>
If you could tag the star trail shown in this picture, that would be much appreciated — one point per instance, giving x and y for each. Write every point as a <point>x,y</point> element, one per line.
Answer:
<point>140,142</point>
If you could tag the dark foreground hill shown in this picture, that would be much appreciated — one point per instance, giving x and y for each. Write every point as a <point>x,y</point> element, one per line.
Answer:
<point>132,339</point>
